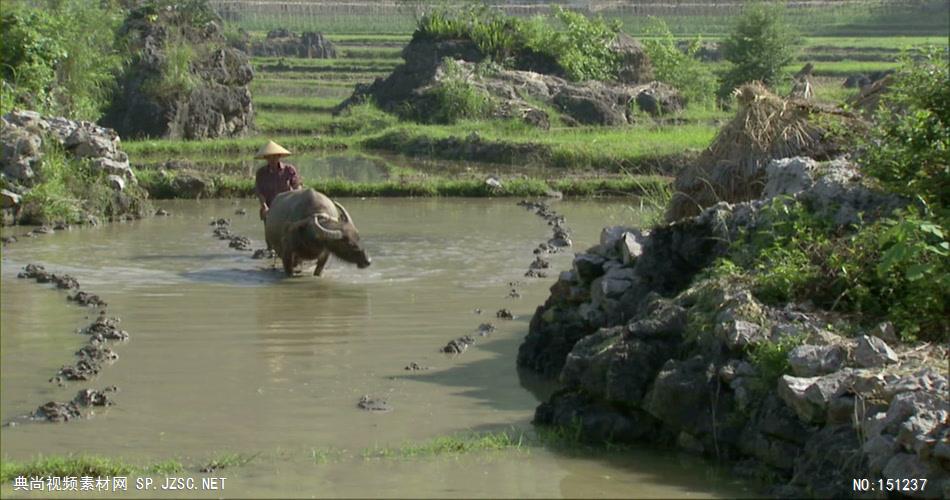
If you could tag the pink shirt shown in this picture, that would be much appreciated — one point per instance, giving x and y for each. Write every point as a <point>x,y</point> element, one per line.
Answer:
<point>271,182</point>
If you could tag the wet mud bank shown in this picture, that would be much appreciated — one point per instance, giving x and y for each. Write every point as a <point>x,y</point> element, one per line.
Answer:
<point>650,348</point>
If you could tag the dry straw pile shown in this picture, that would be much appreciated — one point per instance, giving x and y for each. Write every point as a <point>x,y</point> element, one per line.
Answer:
<point>765,127</point>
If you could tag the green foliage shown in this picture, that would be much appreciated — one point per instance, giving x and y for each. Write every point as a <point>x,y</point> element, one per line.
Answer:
<point>454,99</point>
<point>893,269</point>
<point>759,46</point>
<point>909,149</point>
<point>579,45</point>
<point>682,70</point>
<point>583,47</point>
<point>451,445</point>
<point>57,56</point>
<point>69,188</point>
<point>176,77</point>
<point>770,360</point>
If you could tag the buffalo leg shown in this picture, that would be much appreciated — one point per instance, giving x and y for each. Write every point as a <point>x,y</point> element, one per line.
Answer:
<point>321,261</point>
<point>289,262</point>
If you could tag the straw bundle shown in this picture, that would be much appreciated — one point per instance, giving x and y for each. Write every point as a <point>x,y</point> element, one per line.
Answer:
<point>765,127</point>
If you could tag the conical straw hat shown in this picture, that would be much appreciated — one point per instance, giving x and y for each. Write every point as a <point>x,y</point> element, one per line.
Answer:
<point>271,149</point>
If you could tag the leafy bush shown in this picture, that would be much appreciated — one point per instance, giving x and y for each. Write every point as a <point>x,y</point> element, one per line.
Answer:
<point>894,269</point>
<point>58,57</point>
<point>579,45</point>
<point>760,45</point>
<point>682,70</point>
<point>909,149</point>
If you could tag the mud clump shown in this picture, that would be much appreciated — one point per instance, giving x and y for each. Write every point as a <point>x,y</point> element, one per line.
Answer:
<point>87,299</point>
<point>96,351</point>
<point>534,273</point>
<point>55,411</point>
<point>161,212</point>
<point>374,404</point>
<point>93,397</point>
<point>34,271</point>
<point>222,233</point>
<point>415,367</point>
<point>84,369</point>
<point>459,345</point>
<point>104,328</point>
<point>240,211</point>
<point>486,329</point>
<point>220,222</point>
<point>264,253</point>
<point>504,314</point>
<point>65,281</point>
<point>241,243</point>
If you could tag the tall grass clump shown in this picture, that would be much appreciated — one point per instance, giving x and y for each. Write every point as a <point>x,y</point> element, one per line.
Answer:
<point>575,44</point>
<point>454,99</point>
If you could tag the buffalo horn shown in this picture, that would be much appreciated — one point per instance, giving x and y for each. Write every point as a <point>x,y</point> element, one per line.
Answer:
<point>329,234</point>
<point>344,213</point>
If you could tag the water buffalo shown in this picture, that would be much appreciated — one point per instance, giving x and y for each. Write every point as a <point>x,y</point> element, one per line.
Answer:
<point>307,225</point>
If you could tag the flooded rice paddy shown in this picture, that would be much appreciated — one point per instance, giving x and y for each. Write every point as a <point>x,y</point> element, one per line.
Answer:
<point>228,356</point>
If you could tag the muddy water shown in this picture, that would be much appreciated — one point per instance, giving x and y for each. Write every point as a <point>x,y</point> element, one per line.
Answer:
<point>228,356</point>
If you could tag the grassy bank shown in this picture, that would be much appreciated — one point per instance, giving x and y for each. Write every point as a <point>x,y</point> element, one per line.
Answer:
<point>417,185</point>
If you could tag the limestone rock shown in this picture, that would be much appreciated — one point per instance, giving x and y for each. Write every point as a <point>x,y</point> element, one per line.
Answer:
<point>873,352</point>
<point>811,360</point>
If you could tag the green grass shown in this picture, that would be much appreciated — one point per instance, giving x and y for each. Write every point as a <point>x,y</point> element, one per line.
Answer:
<point>452,445</point>
<point>243,146</point>
<point>414,184</point>
<point>293,103</point>
<point>377,53</point>
<point>881,42</point>
<point>293,122</point>
<point>335,64</point>
<point>228,460</point>
<point>81,466</point>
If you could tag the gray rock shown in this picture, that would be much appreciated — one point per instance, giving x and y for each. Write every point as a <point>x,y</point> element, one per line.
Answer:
<point>738,335</point>
<point>631,246</point>
<point>872,352</point>
<point>659,98</point>
<point>886,332</point>
<point>788,176</point>
<point>9,199</point>
<point>811,360</point>
<point>810,397</point>
<point>588,267</point>
<point>117,183</point>
<point>879,450</point>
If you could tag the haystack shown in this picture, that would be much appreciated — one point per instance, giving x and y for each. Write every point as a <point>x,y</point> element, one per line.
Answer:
<point>765,127</point>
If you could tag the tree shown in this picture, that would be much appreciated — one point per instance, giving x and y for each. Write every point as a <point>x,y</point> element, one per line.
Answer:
<point>759,47</point>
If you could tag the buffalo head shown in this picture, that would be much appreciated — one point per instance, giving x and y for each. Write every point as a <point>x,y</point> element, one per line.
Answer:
<point>339,236</point>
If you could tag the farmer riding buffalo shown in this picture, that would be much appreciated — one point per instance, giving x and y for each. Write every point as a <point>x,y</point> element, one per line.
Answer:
<point>302,224</point>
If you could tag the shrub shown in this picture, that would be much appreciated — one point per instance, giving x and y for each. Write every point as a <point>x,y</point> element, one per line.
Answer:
<point>579,45</point>
<point>681,70</point>
<point>909,149</point>
<point>758,48</point>
<point>58,57</point>
<point>894,269</point>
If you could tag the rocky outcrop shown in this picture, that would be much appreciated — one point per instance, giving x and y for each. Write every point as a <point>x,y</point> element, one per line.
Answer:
<point>184,82</point>
<point>25,135</point>
<point>284,43</point>
<point>648,352</point>
<point>518,93</point>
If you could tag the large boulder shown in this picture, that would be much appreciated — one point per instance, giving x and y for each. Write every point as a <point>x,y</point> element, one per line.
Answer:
<point>533,83</point>
<point>284,43</point>
<point>208,97</point>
